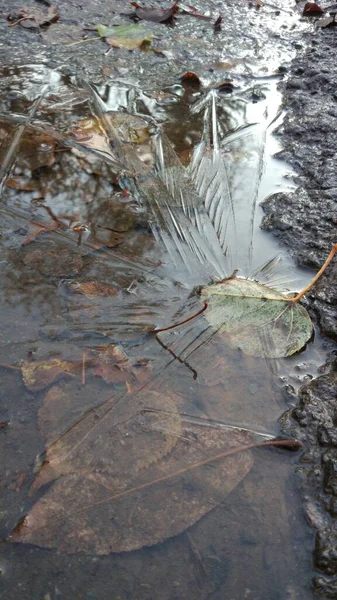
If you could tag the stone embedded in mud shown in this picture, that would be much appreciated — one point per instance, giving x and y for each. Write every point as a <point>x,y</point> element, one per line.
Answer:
<point>326,551</point>
<point>326,587</point>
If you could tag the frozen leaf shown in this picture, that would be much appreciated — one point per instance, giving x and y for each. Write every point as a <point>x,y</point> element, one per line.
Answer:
<point>256,319</point>
<point>114,366</point>
<point>91,289</point>
<point>36,229</point>
<point>53,262</point>
<point>22,183</point>
<point>39,374</point>
<point>128,37</point>
<point>33,18</point>
<point>129,43</point>
<point>132,474</point>
<point>157,15</point>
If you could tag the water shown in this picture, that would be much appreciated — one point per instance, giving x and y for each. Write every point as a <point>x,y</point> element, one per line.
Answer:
<point>122,506</point>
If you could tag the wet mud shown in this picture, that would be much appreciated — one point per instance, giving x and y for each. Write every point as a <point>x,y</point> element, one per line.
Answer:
<point>305,222</point>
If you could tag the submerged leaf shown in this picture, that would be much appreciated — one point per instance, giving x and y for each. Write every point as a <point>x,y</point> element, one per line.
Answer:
<point>39,374</point>
<point>256,319</point>
<point>146,477</point>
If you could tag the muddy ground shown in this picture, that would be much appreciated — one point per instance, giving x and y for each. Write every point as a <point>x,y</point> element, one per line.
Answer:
<point>303,221</point>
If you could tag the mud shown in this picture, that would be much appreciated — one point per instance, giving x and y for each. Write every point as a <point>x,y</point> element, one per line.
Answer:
<point>305,222</point>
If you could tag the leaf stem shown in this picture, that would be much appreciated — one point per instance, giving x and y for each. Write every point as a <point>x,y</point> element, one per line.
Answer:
<point>159,329</point>
<point>317,276</point>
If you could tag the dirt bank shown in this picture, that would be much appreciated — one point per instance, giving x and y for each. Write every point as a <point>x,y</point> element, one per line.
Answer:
<point>305,221</point>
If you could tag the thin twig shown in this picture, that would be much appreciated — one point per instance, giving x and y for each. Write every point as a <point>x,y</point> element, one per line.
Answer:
<point>83,368</point>
<point>83,41</point>
<point>159,329</point>
<point>281,443</point>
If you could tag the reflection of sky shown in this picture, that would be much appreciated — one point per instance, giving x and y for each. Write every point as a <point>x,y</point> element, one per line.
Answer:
<point>245,121</point>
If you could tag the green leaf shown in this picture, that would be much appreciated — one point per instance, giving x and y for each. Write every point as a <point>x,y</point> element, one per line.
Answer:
<point>256,319</point>
<point>133,30</point>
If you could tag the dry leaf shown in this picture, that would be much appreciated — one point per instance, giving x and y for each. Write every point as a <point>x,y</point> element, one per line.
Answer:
<point>311,9</point>
<point>32,18</point>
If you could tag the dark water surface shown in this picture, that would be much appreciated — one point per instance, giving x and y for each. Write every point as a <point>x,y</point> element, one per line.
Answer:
<point>88,270</point>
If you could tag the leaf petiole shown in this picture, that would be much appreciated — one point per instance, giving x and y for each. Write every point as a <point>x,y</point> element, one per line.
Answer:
<point>317,276</point>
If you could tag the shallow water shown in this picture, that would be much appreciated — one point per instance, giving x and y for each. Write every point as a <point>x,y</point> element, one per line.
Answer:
<point>240,533</point>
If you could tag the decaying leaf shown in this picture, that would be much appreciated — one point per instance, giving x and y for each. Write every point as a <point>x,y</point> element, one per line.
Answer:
<point>256,319</point>
<point>39,374</point>
<point>22,183</point>
<point>91,289</point>
<point>53,262</point>
<point>157,15</point>
<point>128,37</point>
<point>130,475</point>
<point>114,365</point>
<point>36,229</point>
<point>33,17</point>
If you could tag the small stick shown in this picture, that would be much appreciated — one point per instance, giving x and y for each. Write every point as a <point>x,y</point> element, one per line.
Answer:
<point>12,367</point>
<point>22,19</point>
<point>83,41</point>
<point>83,368</point>
<point>159,329</point>
<point>278,443</point>
<point>317,276</point>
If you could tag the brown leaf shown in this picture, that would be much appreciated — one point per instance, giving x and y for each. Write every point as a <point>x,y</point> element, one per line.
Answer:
<point>311,9</point>
<point>157,15</point>
<point>132,474</point>
<point>53,261</point>
<point>38,375</point>
<point>32,18</point>
<point>190,80</point>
